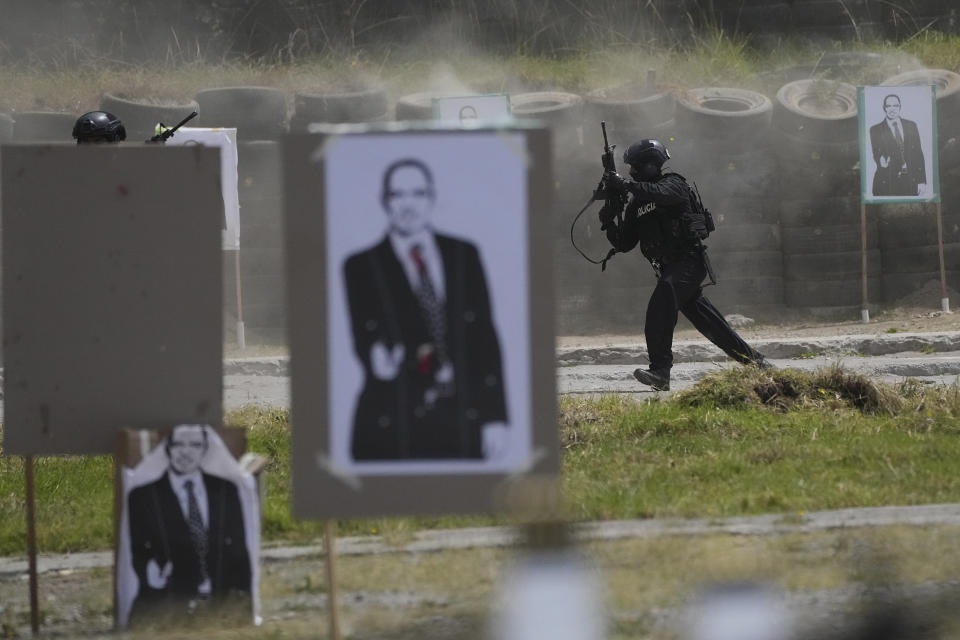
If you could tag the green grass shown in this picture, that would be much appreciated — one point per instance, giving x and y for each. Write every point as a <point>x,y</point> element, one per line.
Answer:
<point>712,57</point>
<point>740,442</point>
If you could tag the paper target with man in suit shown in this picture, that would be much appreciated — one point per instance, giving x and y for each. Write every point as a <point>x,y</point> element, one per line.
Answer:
<point>428,318</point>
<point>898,150</point>
<point>189,534</point>
<point>422,350</point>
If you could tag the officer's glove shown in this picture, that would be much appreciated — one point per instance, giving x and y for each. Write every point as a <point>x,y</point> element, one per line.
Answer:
<point>607,215</point>
<point>614,182</point>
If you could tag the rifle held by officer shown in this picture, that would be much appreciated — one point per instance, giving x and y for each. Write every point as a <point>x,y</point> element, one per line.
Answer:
<point>165,133</point>
<point>614,199</point>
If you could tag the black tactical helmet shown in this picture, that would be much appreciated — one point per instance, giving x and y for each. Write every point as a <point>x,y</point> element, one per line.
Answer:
<point>99,126</point>
<point>646,151</point>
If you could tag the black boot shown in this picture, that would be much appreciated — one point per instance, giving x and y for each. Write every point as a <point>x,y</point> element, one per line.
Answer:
<point>659,379</point>
<point>762,363</point>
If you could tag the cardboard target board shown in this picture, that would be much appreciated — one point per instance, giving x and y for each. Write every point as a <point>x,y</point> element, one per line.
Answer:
<point>421,332</point>
<point>111,293</point>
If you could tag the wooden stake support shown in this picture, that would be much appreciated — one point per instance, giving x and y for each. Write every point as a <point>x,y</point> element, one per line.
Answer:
<point>241,329</point>
<point>864,307</point>
<point>944,298</point>
<point>333,592</point>
<point>32,545</point>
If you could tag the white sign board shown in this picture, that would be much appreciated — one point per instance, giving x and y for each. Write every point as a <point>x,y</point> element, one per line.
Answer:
<point>471,110</point>
<point>226,140</point>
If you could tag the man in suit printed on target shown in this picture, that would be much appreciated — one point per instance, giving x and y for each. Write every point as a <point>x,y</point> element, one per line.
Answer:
<point>187,536</point>
<point>897,154</point>
<point>424,335</point>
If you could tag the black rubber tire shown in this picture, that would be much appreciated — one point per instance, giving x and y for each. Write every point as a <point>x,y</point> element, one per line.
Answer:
<point>140,115</point>
<point>831,265</point>
<point>829,292</point>
<point>419,106</point>
<point>743,292</point>
<point>729,238</point>
<point>948,107</point>
<point>810,169</point>
<point>262,262</point>
<point>266,289</point>
<point>921,259</point>
<point>368,105</point>
<point>267,212</point>
<point>726,173</point>
<point>723,113</point>
<point>817,110</point>
<point>558,110</point>
<point>43,126</point>
<point>6,128</point>
<point>258,113</point>
<point>741,210</point>
<point>897,286</point>
<point>258,169</point>
<point>900,232</point>
<point>826,239</point>
<point>260,234</point>
<point>946,81</point>
<point>821,211</point>
<point>744,264</point>
<point>628,107</point>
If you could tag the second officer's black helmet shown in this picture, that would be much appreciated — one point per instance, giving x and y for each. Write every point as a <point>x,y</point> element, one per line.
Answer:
<point>646,151</point>
<point>98,126</point>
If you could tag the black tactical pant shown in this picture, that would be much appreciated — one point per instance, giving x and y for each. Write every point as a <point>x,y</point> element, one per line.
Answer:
<point>678,290</point>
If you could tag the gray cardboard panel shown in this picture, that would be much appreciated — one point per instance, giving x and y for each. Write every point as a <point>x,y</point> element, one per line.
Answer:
<point>112,293</point>
<point>329,482</point>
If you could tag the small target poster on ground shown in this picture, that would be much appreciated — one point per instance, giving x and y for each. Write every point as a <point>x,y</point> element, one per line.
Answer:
<point>421,318</point>
<point>898,150</point>
<point>469,111</point>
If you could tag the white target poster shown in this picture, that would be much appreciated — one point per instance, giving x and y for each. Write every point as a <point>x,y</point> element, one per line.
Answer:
<point>898,151</point>
<point>226,140</point>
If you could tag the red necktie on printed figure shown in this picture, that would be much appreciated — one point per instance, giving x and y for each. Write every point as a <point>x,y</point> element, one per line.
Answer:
<point>431,306</point>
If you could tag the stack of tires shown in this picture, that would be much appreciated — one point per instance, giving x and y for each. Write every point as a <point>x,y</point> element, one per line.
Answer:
<point>365,105</point>
<point>140,116</point>
<point>721,144</point>
<point>911,258</point>
<point>260,116</point>
<point>817,148</point>
<point>908,232</point>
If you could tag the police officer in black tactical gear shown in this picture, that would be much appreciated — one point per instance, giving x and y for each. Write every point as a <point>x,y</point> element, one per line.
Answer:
<point>98,126</point>
<point>663,217</point>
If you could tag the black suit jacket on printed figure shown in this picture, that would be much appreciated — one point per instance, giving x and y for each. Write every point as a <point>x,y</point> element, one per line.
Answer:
<point>890,181</point>
<point>391,420</point>
<point>159,532</point>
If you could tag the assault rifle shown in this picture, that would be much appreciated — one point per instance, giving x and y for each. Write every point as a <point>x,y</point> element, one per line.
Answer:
<point>164,133</point>
<point>614,201</point>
